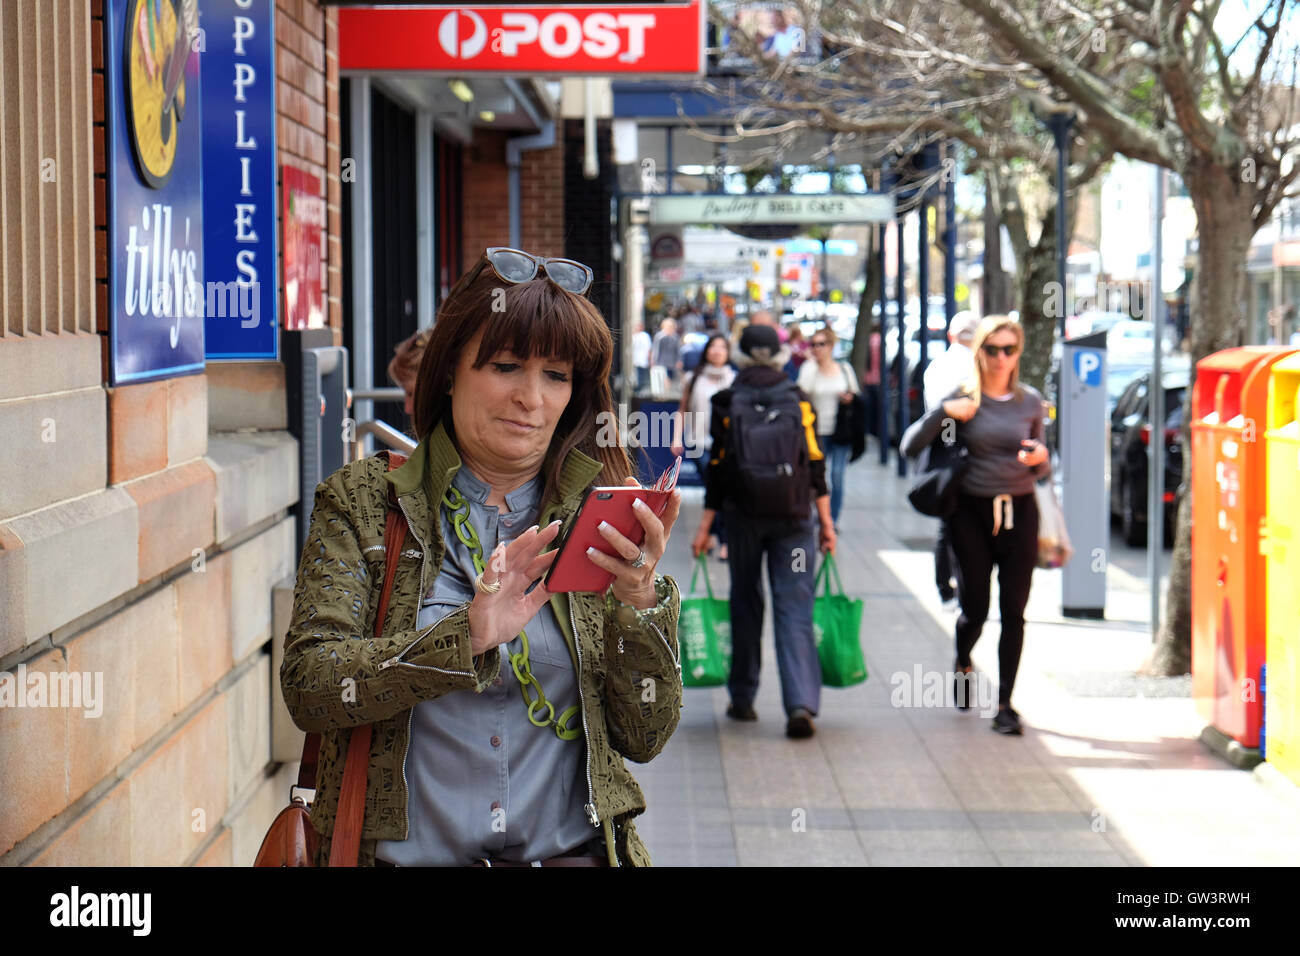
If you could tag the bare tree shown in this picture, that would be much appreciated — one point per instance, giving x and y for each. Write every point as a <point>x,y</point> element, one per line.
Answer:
<point>1229,130</point>
<point>894,75</point>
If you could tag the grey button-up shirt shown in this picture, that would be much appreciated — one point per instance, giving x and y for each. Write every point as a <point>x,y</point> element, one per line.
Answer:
<point>483,780</point>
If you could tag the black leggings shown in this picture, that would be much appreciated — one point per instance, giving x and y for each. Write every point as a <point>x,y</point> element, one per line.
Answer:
<point>977,550</point>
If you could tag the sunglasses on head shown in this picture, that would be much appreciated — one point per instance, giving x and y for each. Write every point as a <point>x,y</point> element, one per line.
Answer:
<point>1008,350</point>
<point>515,266</point>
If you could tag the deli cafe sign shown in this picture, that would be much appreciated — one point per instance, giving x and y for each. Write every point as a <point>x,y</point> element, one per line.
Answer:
<point>631,39</point>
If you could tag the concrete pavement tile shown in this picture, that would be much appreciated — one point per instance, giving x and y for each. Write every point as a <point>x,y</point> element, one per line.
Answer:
<point>779,846</point>
<point>956,841</point>
<point>1065,858</point>
<point>821,818</point>
<point>930,858</point>
<point>909,818</point>
<point>1064,821</point>
<point>1046,841</point>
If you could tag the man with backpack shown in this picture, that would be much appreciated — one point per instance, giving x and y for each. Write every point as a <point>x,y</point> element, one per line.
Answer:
<point>766,472</point>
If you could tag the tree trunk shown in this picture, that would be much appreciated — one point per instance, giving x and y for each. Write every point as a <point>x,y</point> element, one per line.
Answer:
<point>998,294</point>
<point>1035,276</point>
<point>1224,214</point>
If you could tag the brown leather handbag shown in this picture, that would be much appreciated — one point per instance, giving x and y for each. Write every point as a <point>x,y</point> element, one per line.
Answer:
<point>291,840</point>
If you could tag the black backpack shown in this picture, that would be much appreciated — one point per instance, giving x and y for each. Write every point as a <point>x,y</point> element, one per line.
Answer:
<point>767,446</point>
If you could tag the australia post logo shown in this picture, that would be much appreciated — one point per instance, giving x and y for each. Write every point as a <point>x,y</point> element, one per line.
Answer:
<point>559,35</point>
<point>570,40</point>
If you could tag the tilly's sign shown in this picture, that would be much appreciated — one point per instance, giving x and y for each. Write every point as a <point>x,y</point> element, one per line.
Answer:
<point>239,178</point>
<point>155,232</point>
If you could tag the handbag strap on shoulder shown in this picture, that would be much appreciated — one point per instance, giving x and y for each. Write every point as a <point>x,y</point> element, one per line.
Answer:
<point>346,842</point>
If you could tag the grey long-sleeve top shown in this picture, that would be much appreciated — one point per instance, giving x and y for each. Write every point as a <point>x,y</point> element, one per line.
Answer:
<point>993,438</point>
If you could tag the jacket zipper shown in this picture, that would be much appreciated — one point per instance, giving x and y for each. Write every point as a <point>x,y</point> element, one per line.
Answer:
<point>410,714</point>
<point>592,816</point>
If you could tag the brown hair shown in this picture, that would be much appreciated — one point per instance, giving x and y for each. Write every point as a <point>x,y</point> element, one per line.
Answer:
<point>405,365</point>
<point>990,325</point>
<point>827,331</point>
<point>527,318</point>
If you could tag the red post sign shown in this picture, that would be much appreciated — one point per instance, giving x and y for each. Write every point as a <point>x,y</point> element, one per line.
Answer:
<point>301,248</point>
<point>641,39</point>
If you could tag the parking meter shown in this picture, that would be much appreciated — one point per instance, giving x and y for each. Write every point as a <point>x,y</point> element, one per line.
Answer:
<point>1082,417</point>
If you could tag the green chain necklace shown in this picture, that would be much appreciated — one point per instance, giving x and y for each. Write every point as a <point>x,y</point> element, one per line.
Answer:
<point>459,511</point>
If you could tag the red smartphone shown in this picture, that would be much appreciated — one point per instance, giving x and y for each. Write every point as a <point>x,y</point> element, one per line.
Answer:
<point>573,570</point>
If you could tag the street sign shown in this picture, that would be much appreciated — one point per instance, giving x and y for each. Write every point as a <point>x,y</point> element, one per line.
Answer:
<point>572,40</point>
<point>725,210</point>
<point>155,229</point>
<point>239,178</point>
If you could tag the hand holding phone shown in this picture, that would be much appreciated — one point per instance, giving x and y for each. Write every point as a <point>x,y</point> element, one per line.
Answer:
<point>614,526</point>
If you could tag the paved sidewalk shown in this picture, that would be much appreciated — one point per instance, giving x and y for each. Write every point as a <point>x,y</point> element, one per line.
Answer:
<point>1109,772</point>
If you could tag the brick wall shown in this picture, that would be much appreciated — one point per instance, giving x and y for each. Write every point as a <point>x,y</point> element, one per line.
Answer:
<point>142,549</point>
<point>487,197</point>
<point>486,190</point>
<point>307,107</point>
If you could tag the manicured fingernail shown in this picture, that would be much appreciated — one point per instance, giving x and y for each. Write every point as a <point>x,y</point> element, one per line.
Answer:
<point>557,521</point>
<point>638,503</point>
<point>533,528</point>
<point>592,551</point>
<point>605,526</point>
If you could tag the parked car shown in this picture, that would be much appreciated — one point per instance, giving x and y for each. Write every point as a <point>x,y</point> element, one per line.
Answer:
<point>1131,435</point>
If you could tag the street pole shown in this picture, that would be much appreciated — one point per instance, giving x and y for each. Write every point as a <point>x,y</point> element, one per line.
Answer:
<point>882,373</point>
<point>1156,391</point>
<point>950,248</point>
<point>901,357</point>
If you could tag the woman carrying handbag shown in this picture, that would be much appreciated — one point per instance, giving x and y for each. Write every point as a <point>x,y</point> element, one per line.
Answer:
<point>831,384</point>
<point>1000,423</point>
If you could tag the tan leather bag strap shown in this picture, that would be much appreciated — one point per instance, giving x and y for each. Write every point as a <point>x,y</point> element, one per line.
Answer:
<point>345,844</point>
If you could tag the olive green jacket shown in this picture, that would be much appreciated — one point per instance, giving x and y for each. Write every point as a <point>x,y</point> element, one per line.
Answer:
<point>336,675</point>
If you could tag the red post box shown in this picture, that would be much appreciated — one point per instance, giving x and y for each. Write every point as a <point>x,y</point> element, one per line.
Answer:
<point>1229,470</point>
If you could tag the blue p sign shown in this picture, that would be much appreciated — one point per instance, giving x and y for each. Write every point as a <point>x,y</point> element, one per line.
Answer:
<point>1087,365</point>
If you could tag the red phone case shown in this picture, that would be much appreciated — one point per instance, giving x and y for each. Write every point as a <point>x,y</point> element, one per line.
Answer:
<point>573,570</point>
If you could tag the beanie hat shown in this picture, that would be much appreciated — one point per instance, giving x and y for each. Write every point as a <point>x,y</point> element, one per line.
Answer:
<point>760,343</point>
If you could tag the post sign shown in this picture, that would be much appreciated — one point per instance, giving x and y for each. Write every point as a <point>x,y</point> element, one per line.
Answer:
<point>628,39</point>
<point>304,228</point>
<point>153,104</point>
<point>239,178</point>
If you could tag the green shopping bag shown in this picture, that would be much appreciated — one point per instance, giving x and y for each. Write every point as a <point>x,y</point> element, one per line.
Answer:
<point>837,621</point>
<point>704,633</point>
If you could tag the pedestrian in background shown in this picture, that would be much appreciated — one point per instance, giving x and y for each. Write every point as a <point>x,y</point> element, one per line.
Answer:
<point>641,345</point>
<point>666,349</point>
<point>405,365</point>
<point>750,503</point>
<point>693,418</point>
<point>1000,421</point>
<point>871,381</point>
<point>829,383</point>
<point>951,369</point>
<point>799,350</point>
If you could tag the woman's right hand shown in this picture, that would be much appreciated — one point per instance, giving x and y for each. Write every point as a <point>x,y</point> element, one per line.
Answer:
<point>496,619</point>
<point>962,409</point>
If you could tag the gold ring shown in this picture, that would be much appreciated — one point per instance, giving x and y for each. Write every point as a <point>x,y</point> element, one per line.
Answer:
<point>482,587</point>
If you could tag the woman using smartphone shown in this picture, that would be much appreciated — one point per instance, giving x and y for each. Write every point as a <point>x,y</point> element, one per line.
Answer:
<point>1000,421</point>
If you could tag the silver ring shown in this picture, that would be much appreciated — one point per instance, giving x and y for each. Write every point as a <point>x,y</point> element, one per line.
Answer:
<point>640,561</point>
<point>482,587</point>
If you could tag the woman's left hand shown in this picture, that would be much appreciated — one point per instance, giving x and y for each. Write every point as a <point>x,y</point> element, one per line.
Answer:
<point>846,397</point>
<point>1032,453</point>
<point>636,586</point>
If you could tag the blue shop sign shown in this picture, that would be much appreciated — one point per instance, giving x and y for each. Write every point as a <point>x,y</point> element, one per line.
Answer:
<point>155,188</point>
<point>239,203</point>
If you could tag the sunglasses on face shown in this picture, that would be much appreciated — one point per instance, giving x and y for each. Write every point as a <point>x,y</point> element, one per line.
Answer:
<point>1008,350</point>
<point>819,345</point>
<point>515,266</point>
